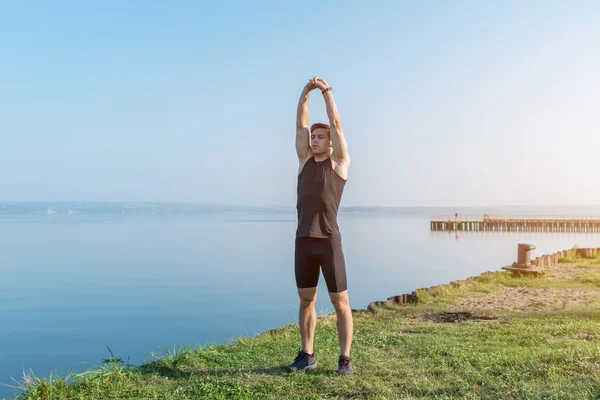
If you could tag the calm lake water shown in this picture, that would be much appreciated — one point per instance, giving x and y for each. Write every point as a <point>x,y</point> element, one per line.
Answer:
<point>72,285</point>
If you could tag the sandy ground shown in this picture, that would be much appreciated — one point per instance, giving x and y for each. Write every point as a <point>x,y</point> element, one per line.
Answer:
<point>538,299</point>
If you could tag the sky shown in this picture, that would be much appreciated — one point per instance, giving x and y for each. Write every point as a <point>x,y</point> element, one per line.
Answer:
<point>443,103</point>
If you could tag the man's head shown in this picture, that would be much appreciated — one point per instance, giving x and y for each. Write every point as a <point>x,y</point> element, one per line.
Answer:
<point>320,140</point>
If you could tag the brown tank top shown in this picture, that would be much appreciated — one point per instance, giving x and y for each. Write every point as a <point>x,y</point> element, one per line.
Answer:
<point>320,191</point>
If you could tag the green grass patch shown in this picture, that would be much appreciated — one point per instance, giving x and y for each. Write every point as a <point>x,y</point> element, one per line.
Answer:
<point>592,279</point>
<point>569,260</point>
<point>577,259</point>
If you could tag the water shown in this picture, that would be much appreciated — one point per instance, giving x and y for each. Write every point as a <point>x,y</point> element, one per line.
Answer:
<point>74,284</point>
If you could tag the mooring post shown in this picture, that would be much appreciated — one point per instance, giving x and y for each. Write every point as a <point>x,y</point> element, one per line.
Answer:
<point>524,265</point>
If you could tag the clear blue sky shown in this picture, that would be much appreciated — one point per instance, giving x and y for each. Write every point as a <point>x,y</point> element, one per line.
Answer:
<point>443,102</point>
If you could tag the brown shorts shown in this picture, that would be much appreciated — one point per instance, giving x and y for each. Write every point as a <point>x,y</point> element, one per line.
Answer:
<point>312,253</point>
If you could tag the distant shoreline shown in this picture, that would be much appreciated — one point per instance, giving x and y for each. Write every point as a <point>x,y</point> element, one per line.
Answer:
<point>149,208</point>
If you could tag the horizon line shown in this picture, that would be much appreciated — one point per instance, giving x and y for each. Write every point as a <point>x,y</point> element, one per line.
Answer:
<point>285,206</point>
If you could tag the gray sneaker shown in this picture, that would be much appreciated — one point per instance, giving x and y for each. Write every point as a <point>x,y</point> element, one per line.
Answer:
<point>344,366</point>
<point>303,362</point>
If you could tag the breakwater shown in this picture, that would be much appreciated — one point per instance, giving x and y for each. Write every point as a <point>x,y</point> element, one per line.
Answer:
<point>546,260</point>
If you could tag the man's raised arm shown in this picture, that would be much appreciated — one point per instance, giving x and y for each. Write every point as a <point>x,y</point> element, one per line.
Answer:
<point>302,133</point>
<point>336,133</point>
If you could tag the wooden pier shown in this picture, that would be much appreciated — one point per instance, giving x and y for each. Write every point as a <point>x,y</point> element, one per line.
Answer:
<point>489,223</point>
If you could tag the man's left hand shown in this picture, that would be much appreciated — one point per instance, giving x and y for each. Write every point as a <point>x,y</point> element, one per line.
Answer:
<point>320,83</point>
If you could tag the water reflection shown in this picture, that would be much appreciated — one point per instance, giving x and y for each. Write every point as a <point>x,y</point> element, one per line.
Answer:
<point>512,235</point>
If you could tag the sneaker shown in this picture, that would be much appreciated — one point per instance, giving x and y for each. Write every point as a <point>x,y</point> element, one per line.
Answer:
<point>344,366</point>
<point>303,362</point>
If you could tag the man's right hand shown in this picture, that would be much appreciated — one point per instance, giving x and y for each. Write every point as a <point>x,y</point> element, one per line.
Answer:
<point>310,86</point>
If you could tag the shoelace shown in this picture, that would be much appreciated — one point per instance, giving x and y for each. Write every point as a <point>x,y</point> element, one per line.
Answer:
<point>300,356</point>
<point>345,363</point>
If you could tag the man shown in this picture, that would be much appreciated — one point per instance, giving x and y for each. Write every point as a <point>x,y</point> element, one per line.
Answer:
<point>322,173</point>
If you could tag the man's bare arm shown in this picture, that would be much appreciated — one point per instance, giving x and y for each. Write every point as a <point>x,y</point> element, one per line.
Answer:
<point>338,141</point>
<point>302,133</point>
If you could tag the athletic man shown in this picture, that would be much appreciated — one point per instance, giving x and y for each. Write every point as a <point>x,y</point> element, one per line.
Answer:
<point>322,173</point>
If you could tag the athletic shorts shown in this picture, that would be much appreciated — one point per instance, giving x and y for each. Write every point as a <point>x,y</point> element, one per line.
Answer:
<point>312,253</point>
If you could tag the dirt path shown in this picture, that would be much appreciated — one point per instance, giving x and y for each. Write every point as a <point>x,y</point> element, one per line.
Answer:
<point>538,299</point>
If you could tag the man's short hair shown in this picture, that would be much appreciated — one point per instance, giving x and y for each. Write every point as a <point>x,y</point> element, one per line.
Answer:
<point>319,125</point>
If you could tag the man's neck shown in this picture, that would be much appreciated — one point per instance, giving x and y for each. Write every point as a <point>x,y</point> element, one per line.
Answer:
<point>322,157</point>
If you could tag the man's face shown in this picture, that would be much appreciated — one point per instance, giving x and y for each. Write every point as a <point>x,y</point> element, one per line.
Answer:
<point>320,142</point>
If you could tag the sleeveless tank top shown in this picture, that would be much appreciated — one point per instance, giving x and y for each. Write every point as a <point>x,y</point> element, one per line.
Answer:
<point>320,191</point>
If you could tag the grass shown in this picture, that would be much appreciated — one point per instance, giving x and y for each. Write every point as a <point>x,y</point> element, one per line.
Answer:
<point>397,353</point>
<point>580,260</point>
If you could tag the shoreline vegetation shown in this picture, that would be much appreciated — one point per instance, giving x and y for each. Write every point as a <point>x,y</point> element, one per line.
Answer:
<point>488,337</point>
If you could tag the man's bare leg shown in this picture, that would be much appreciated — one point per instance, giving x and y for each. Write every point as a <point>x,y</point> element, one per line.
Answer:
<point>308,318</point>
<point>344,322</point>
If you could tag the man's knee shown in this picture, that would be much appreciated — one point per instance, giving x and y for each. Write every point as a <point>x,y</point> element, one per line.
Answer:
<point>307,296</point>
<point>340,301</point>
<point>341,306</point>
